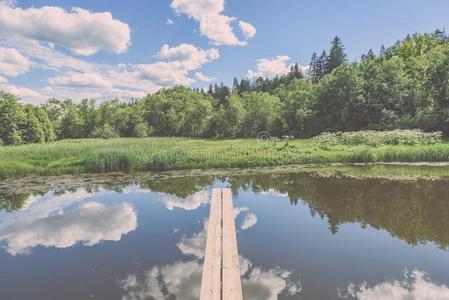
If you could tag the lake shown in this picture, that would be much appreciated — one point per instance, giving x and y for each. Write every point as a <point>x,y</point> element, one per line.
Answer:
<point>301,235</point>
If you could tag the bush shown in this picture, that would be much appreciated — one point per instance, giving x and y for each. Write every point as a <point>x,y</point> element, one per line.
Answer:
<point>378,138</point>
<point>104,132</point>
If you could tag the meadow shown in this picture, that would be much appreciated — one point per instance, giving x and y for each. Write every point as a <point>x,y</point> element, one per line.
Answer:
<point>166,153</point>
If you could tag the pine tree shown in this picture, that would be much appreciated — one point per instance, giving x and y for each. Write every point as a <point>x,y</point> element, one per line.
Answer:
<point>298,72</point>
<point>235,84</point>
<point>337,55</point>
<point>322,65</point>
<point>314,67</point>
<point>369,55</point>
<point>295,73</point>
<point>245,86</point>
<point>210,91</point>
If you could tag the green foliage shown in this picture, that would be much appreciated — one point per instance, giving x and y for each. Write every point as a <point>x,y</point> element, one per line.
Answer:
<point>104,132</point>
<point>229,120</point>
<point>405,86</point>
<point>23,123</point>
<point>340,100</point>
<point>160,154</point>
<point>378,138</point>
<point>263,113</point>
<point>178,112</point>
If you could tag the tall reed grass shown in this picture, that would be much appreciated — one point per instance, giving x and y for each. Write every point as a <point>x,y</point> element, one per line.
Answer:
<point>160,154</point>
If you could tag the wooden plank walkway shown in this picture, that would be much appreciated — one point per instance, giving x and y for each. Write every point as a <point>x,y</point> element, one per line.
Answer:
<point>221,271</point>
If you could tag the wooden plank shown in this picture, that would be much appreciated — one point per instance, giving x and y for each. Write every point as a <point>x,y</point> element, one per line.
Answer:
<point>231,284</point>
<point>211,281</point>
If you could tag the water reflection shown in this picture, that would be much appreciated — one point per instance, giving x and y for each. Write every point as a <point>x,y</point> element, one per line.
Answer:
<point>415,285</point>
<point>182,279</point>
<point>61,222</point>
<point>415,211</point>
<point>190,202</point>
<point>332,231</point>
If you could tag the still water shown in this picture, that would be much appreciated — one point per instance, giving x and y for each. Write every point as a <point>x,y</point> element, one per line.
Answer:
<point>300,236</point>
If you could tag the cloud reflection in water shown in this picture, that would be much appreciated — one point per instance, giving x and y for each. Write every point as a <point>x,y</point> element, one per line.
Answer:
<point>48,222</point>
<point>416,285</point>
<point>183,279</point>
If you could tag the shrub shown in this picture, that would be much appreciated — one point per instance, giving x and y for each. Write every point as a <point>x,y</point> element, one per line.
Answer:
<point>377,138</point>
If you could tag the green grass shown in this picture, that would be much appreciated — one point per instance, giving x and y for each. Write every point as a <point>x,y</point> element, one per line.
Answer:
<point>160,154</point>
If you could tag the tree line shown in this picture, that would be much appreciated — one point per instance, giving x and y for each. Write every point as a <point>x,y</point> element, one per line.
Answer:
<point>401,87</point>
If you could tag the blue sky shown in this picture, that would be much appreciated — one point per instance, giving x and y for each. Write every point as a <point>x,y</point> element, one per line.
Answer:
<point>48,48</point>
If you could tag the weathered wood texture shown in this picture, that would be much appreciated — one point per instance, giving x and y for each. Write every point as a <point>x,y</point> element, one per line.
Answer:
<point>221,272</point>
<point>211,281</point>
<point>231,284</point>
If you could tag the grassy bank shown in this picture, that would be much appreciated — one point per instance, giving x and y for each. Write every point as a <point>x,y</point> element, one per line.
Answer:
<point>158,154</point>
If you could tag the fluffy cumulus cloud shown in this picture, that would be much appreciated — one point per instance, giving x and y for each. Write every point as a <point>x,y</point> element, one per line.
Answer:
<point>34,37</point>
<point>203,77</point>
<point>90,224</point>
<point>81,31</point>
<point>262,284</point>
<point>189,203</point>
<point>182,280</point>
<point>22,92</point>
<point>195,244</point>
<point>416,285</point>
<point>213,23</point>
<point>248,30</point>
<point>80,80</point>
<point>249,221</point>
<point>12,62</point>
<point>47,221</point>
<point>190,56</point>
<point>270,67</point>
<point>175,65</point>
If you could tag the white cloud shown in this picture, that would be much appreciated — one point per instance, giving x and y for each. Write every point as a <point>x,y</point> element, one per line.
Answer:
<point>203,77</point>
<point>80,80</point>
<point>190,56</point>
<point>189,203</point>
<point>76,78</point>
<point>213,24</point>
<point>21,92</point>
<point>164,73</point>
<point>81,31</point>
<point>169,22</point>
<point>260,284</point>
<point>45,57</point>
<point>102,81</point>
<point>415,286</point>
<point>248,30</point>
<point>12,62</point>
<point>239,210</point>
<point>89,224</point>
<point>178,62</point>
<point>270,67</point>
<point>249,221</point>
<point>195,244</point>
<point>274,192</point>
<point>182,280</point>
